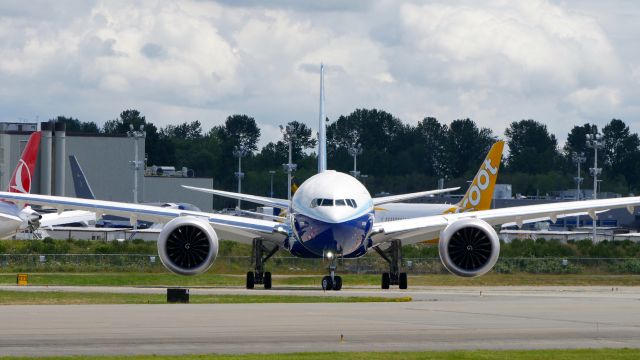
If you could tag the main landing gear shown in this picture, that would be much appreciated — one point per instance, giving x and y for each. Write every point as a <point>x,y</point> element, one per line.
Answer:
<point>393,255</point>
<point>332,281</point>
<point>259,276</point>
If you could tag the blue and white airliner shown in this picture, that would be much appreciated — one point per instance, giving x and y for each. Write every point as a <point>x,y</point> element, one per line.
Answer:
<point>331,216</point>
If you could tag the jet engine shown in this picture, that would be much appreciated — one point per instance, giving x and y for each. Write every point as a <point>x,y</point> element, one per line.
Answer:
<point>188,245</point>
<point>469,247</point>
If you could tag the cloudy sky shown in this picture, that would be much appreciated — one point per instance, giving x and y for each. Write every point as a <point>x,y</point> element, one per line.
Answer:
<point>559,62</point>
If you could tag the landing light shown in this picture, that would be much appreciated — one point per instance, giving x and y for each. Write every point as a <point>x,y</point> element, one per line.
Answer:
<point>329,255</point>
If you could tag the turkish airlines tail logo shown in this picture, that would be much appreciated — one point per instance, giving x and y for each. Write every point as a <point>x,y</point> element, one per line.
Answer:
<point>22,175</point>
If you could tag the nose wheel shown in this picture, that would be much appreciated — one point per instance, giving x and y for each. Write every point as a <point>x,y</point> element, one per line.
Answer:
<point>332,284</point>
<point>332,281</point>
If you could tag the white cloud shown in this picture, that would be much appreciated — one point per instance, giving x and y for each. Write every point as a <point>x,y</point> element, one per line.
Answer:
<point>494,62</point>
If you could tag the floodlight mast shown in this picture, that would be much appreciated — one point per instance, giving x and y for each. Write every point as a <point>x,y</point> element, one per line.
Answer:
<point>578,158</point>
<point>135,164</point>
<point>240,151</point>
<point>595,141</point>
<point>290,167</point>
<point>355,150</point>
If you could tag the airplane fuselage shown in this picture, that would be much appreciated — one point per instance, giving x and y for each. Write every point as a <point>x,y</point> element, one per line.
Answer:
<point>331,213</point>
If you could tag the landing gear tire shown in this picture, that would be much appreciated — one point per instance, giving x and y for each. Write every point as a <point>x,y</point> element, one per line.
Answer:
<point>337,283</point>
<point>402,282</point>
<point>327,283</point>
<point>267,280</point>
<point>251,280</point>
<point>385,280</point>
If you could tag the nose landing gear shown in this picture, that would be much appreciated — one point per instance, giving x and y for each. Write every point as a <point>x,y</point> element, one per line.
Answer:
<point>332,281</point>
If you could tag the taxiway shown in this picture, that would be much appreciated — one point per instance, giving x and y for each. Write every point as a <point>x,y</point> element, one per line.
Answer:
<point>438,319</point>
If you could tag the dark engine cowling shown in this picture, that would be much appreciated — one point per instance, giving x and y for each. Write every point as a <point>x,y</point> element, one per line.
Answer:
<point>188,245</point>
<point>469,247</point>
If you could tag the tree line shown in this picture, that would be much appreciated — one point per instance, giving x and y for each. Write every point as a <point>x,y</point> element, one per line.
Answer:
<point>396,157</point>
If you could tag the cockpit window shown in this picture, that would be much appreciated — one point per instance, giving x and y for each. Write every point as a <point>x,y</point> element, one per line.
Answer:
<point>326,202</point>
<point>331,202</point>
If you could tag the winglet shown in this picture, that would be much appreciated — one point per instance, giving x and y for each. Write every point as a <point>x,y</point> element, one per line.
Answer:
<point>480,193</point>
<point>23,174</point>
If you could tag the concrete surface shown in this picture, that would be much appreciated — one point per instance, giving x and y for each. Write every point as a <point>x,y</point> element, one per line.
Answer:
<point>439,318</point>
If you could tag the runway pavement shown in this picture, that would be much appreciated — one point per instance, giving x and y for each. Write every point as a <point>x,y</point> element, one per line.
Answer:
<point>439,318</point>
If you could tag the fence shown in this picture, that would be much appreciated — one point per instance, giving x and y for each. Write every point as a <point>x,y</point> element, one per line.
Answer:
<point>292,265</point>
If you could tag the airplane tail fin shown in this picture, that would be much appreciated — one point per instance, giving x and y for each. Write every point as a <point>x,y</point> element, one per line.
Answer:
<point>322,128</point>
<point>23,174</point>
<point>480,192</point>
<point>80,183</point>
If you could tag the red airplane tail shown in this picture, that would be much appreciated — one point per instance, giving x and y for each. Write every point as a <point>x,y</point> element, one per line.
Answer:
<point>22,175</point>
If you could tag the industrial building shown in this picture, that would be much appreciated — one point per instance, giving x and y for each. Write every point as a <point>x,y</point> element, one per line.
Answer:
<point>105,159</point>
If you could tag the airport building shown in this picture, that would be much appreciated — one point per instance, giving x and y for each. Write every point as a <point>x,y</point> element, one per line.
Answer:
<point>106,161</point>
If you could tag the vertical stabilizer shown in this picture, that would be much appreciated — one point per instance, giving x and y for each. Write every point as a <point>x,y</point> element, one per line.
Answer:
<point>80,183</point>
<point>322,129</point>
<point>23,174</point>
<point>480,192</point>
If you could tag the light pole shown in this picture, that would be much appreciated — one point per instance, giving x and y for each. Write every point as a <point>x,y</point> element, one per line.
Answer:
<point>355,150</point>
<point>271,173</point>
<point>240,151</point>
<point>579,159</point>
<point>136,164</point>
<point>290,167</point>
<point>595,141</point>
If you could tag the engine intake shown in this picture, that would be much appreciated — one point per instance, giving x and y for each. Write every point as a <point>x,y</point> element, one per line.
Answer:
<point>188,245</point>
<point>469,247</point>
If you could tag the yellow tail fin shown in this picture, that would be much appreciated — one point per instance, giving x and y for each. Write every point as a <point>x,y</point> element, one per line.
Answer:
<point>480,192</point>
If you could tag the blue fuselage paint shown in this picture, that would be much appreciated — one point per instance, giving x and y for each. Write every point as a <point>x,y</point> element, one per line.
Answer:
<point>314,237</point>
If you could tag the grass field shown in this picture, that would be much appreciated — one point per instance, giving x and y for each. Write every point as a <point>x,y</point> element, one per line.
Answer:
<point>209,279</point>
<point>581,354</point>
<point>68,298</point>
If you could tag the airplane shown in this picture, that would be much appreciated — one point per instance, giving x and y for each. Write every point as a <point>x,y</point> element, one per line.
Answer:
<point>478,196</point>
<point>330,217</point>
<point>83,190</point>
<point>14,216</point>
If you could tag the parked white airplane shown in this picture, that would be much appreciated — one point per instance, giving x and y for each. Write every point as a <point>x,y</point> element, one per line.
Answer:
<point>478,196</point>
<point>331,216</point>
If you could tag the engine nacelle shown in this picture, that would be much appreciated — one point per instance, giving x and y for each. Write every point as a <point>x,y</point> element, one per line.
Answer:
<point>188,245</point>
<point>469,247</point>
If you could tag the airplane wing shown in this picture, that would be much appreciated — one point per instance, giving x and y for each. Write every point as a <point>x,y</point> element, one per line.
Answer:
<point>560,216</point>
<point>402,197</point>
<point>416,230</point>
<point>279,203</point>
<point>233,228</point>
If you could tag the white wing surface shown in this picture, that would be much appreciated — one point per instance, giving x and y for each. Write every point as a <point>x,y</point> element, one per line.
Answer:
<point>233,228</point>
<point>403,197</point>
<point>279,203</point>
<point>416,230</point>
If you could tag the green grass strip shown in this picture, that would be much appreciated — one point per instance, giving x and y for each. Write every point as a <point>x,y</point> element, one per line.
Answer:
<point>579,354</point>
<point>77,298</point>
<point>211,279</point>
